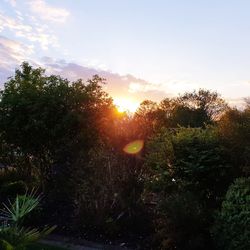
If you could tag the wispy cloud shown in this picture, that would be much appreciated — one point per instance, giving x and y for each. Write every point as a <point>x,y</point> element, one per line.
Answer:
<point>7,22</point>
<point>118,85</point>
<point>48,12</point>
<point>12,53</point>
<point>36,32</point>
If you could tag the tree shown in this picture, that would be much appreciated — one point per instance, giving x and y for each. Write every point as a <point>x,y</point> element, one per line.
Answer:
<point>234,130</point>
<point>34,114</point>
<point>195,109</point>
<point>47,119</point>
<point>208,103</point>
<point>165,112</point>
<point>52,124</point>
<point>145,119</point>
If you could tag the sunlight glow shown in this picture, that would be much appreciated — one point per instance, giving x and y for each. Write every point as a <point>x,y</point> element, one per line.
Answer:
<point>124,105</point>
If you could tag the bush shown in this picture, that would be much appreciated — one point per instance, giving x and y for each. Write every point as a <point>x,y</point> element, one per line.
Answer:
<point>193,157</point>
<point>232,226</point>
<point>12,233</point>
<point>9,174</point>
<point>110,196</point>
<point>12,189</point>
<point>182,223</point>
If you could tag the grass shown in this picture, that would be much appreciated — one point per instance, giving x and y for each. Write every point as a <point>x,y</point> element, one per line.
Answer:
<point>40,246</point>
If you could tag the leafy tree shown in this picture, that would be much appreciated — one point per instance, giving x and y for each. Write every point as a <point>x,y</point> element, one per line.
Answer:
<point>195,109</point>
<point>49,123</point>
<point>188,117</point>
<point>164,113</point>
<point>42,117</point>
<point>145,119</point>
<point>33,114</point>
<point>234,130</point>
<point>208,104</point>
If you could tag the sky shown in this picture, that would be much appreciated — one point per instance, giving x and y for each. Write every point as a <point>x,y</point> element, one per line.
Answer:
<point>146,49</point>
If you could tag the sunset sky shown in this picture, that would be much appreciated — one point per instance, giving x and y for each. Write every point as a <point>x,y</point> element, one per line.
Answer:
<point>146,49</point>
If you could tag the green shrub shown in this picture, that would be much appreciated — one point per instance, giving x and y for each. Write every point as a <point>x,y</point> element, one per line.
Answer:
<point>12,233</point>
<point>232,226</point>
<point>193,157</point>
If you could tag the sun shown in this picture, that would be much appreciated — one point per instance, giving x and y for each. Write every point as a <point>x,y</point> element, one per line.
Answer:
<point>126,105</point>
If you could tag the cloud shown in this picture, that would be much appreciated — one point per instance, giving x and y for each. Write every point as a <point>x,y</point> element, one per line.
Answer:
<point>10,23</point>
<point>48,12</point>
<point>12,53</point>
<point>127,86</point>
<point>117,85</point>
<point>37,33</point>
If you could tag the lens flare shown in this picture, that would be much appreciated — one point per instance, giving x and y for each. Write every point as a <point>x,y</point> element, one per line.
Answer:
<point>134,147</point>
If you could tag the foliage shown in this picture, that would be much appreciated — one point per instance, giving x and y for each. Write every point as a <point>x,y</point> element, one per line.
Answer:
<point>232,225</point>
<point>192,156</point>
<point>234,129</point>
<point>110,200</point>
<point>10,175</point>
<point>16,211</point>
<point>178,211</point>
<point>195,109</point>
<point>66,139</point>
<point>12,233</point>
<point>146,117</point>
<point>65,120</point>
<point>51,111</point>
<point>190,175</point>
<point>209,105</point>
<point>11,189</point>
<point>199,160</point>
<point>20,237</point>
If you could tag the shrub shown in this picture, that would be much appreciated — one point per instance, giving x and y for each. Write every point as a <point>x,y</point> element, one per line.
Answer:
<point>12,234</point>
<point>110,198</point>
<point>193,157</point>
<point>232,226</point>
<point>12,189</point>
<point>181,223</point>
